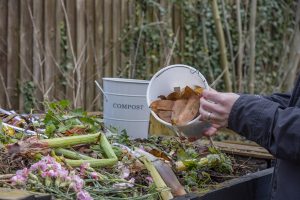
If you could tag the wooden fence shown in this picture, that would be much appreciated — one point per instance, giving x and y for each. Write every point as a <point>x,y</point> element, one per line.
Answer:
<point>55,49</point>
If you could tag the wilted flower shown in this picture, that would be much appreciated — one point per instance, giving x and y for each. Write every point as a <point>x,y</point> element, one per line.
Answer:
<point>48,160</point>
<point>83,195</point>
<point>18,180</point>
<point>94,175</point>
<point>149,179</point>
<point>23,172</point>
<point>125,185</point>
<point>84,167</point>
<point>39,166</point>
<point>77,183</point>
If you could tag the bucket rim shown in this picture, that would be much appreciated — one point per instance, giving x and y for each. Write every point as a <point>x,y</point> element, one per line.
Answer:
<point>158,73</point>
<point>139,81</point>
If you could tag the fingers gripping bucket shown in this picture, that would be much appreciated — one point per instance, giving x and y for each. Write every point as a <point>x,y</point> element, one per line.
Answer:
<point>125,106</point>
<point>164,82</point>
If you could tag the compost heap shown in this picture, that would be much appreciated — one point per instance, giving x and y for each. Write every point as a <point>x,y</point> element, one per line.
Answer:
<point>178,107</point>
<point>70,155</point>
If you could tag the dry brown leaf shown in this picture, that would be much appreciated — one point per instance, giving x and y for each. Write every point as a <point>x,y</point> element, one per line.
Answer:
<point>162,97</point>
<point>178,107</point>
<point>190,111</point>
<point>174,95</point>
<point>188,92</point>
<point>165,115</point>
<point>199,90</point>
<point>161,105</point>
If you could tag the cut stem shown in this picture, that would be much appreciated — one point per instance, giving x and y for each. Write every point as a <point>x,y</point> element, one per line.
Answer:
<point>71,154</point>
<point>159,182</point>
<point>72,140</point>
<point>95,163</point>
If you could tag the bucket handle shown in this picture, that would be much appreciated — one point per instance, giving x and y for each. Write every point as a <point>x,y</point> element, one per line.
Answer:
<point>98,85</point>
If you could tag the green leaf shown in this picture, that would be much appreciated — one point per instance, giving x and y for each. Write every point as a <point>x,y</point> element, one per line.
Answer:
<point>50,129</point>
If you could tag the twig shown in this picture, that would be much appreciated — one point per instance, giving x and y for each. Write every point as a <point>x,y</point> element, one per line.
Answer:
<point>172,49</point>
<point>220,36</point>
<point>229,44</point>
<point>6,176</point>
<point>132,74</point>
<point>252,45</point>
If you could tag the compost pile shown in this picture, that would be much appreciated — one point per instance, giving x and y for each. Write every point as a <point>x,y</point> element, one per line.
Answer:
<point>69,154</point>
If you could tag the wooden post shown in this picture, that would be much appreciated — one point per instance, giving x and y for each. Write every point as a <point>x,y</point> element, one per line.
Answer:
<point>70,16</point>
<point>124,20</point>
<point>81,53</point>
<point>107,38</point>
<point>38,50</point>
<point>132,23</point>
<point>90,68</point>
<point>50,65</point>
<point>3,51</point>
<point>59,90</point>
<point>99,40</point>
<point>116,9</point>
<point>26,32</point>
<point>13,53</point>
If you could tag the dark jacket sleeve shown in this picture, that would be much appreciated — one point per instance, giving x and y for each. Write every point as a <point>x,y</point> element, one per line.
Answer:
<point>282,98</point>
<point>267,123</point>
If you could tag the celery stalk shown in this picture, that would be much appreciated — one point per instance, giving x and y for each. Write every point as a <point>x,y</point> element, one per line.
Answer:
<point>71,140</point>
<point>71,154</point>
<point>93,162</point>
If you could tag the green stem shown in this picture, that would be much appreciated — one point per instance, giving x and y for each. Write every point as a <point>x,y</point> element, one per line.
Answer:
<point>93,162</point>
<point>71,140</point>
<point>107,148</point>
<point>71,154</point>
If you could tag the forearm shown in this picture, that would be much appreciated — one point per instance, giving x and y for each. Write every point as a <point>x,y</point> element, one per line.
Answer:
<point>266,123</point>
<point>281,98</point>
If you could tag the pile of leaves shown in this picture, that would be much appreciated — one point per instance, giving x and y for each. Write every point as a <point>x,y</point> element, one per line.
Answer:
<point>178,107</point>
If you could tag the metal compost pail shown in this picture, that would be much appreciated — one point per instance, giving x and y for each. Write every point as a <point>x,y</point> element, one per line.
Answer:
<point>125,106</point>
<point>163,83</point>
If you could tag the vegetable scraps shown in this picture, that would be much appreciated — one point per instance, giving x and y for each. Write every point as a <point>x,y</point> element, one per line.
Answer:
<point>178,107</point>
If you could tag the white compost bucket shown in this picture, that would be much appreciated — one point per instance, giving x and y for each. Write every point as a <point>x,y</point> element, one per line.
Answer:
<point>125,106</point>
<point>164,82</point>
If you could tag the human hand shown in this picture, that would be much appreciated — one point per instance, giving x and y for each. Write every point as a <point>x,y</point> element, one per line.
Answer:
<point>215,108</point>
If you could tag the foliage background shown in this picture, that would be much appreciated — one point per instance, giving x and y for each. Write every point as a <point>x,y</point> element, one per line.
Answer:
<point>196,44</point>
<point>55,49</point>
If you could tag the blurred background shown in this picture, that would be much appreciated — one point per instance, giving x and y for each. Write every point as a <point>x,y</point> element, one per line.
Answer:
<point>56,49</point>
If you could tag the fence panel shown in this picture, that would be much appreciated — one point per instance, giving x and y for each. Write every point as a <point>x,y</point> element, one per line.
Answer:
<point>3,51</point>
<point>55,49</point>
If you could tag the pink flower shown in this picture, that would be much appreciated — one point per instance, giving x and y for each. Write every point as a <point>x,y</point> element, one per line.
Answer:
<point>94,175</point>
<point>77,183</point>
<point>84,167</point>
<point>51,173</point>
<point>56,166</point>
<point>18,180</point>
<point>41,165</point>
<point>48,160</point>
<point>62,173</point>
<point>23,172</point>
<point>149,179</point>
<point>83,195</point>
